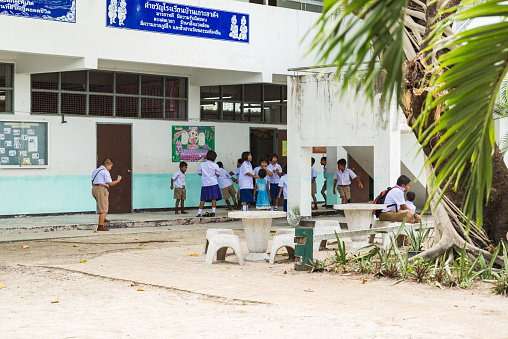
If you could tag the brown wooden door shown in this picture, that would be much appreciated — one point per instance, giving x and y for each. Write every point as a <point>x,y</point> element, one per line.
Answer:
<point>115,142</point>
<point>359,194</point>
<point>282,135</point>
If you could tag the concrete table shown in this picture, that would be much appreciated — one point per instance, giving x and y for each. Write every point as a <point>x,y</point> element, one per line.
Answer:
<point>257,225</point>
<point>359,217</point>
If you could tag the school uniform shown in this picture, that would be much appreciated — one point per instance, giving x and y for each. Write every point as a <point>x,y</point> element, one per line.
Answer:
<point>246,183</point>
<point>237,173</point>
<point>179,182</point>
<point>393,200</point>
<point>100,188</point>
<point>210,189</point>
<point>274,181</point>
<point>324,176</point>
<point>284,184</point>
<point>226,184</point>
<point>313,175</point>
<point>411,206</point>
<point>343,182</point>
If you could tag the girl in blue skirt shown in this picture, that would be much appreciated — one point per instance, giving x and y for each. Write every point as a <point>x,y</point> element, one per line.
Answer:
<point>245,181</point>
<point>210,190</point>
<point>262,198</point>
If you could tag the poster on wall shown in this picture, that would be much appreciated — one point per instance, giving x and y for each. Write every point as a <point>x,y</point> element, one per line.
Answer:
<point>191,143</point>
<point>165,17</point>
<point>54,10</point>
<point>318,149</point>
<point>23,143</point>
<point>284,148</point>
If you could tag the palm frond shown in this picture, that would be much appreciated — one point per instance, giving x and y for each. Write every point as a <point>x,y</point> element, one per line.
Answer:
<point>503,92</point>
<point>356,34</point>
<point>504,144</point>
<point>467,90</point>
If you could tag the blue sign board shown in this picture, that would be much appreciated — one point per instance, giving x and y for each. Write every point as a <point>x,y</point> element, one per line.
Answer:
<point>55,10</point>
<point>165,17</point>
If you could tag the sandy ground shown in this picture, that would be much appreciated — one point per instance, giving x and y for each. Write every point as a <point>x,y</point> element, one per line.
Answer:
<point>182,297</point>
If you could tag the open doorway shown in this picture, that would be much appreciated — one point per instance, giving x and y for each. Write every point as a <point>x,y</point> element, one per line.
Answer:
<point>262,144</point>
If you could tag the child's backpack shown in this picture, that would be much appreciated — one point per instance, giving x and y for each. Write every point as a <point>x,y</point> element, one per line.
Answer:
<point>381,200</point>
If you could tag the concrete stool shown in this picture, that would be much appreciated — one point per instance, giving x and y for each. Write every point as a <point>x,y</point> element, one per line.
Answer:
<point>325,227</point>
<point>219,244</point>
<point>283,238</point>
<point>213,231</point>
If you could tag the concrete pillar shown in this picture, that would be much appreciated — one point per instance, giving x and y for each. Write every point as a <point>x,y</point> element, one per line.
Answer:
<point>22,93</point>
<point>194,103</point>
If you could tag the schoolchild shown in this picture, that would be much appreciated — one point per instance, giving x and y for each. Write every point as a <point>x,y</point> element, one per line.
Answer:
<point>323,189</point>
<point>342,180</point>
<point>410,197</point>
<point>236,173</point>
<point>313,175</point>
<point>226,185</point>
<point>245,181</point>
<point>283,188</point>
<point>263,163</point>
<point>178,182</point>
<point>261,191</point>
<point>397,209</point>
<point>274,179</point>
<point>210,190</point>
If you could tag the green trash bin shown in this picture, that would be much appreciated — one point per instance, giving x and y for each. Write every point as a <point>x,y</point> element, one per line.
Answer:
<point>304,248</point>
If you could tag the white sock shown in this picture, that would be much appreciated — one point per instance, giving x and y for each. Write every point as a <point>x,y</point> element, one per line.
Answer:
<point>244,208</point>
<point>200,211</point>
<point>213,209</point>
<point>276,208</point>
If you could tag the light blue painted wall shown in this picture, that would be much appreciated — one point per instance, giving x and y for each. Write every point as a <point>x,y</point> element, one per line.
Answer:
<point>45,194</point>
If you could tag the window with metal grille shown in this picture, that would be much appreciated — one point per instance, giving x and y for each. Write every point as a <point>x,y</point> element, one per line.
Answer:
<point>262,103</point>
<point>109,94</point>
<point>6,88</point>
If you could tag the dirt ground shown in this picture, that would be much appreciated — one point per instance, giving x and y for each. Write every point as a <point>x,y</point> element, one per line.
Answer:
<point>156,285</point>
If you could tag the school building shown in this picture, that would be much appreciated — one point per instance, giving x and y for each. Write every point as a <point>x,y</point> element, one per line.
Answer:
<point>147,83</point>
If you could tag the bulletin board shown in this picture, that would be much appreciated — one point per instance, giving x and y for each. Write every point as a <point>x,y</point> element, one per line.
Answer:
<point>191,143</point>
<point>23,144</point>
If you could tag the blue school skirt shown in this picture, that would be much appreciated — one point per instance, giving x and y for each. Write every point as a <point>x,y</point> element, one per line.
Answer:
<point>247,195</point>
<point>209,193</point>
<point>274,192</point>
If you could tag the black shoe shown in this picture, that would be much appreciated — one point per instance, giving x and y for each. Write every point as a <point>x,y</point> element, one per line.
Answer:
<point>198,216</point>
<point>208,215</point>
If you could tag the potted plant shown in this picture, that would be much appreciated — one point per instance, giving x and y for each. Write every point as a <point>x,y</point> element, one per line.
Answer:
<point>417,238</point>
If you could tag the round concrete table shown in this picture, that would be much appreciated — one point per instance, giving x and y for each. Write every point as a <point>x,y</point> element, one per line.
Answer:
<point>256,225</point>
<point>359,217</point>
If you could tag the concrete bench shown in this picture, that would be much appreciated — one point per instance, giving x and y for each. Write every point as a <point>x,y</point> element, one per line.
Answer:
<point>324,227</point>
<point>385,228</point>
<point>219,244</point>
<point>283,238</point>
<point>213,231</point>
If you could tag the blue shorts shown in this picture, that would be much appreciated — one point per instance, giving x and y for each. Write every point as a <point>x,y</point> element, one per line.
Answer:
<point>247,195</point>
<point>285,205</point>
<point>274,192</point>
<point>209,193</point>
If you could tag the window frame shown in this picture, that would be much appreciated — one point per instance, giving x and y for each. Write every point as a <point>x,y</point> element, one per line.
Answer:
<point>11,89</point>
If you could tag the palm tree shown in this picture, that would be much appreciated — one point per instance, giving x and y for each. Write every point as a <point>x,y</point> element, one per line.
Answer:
<point>446,83</point>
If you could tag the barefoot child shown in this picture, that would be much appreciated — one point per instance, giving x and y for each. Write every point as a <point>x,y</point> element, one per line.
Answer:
<point>274,179</point>
<point>283,188</point>
<point>178,180</point>
<point>342,181</point>
<point>226,185</point>
<point>261,191</point>
<point>313,175</point>
<point>210,190</point>
<point>245,181</point>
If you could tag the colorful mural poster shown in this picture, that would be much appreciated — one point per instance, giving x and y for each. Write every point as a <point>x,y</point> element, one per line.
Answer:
<point>284,148</point>
<point>191,143</point>
<point>54,10</point>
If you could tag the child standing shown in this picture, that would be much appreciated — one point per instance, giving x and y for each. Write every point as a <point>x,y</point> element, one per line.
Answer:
<point>274,179</point>
<point>410,197</point>
<point>236,172</point>
<point>226,185</point>
<point>342,181</point>
<point>178,180</point>
<point>261,192</point>
<point>283,187</point>
<point>313,175</point>
<point>210,190</point>
<point>323,189</point>
<point>245,181</point>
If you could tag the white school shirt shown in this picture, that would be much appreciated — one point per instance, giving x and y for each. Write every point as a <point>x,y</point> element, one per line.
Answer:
<point>275,178</point>
<point>344,178</point>
<point>244,180</point>
<point>237,171</point>
<point>284,184</point>
<point>179,179</point>
<point>395,196</point>
<point>224,179</point>
<point>101,176</point>
<point>208,171</point>
<point>411,206</point>
<point>324,172</point>
<point>313,172</point>
<point>256,170</point>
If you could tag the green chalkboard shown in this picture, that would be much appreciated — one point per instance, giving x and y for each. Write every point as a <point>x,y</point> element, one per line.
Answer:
<point>23,143</point>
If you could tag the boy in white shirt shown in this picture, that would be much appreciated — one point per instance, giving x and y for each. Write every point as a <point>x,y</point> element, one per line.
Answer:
<point>313,175</point>
<point>397,209</point>
<point>410,197</point>
<point>342,181</point>
<point>283,188</point>
<point>178,180</point>
<point>226,185</point>
<point>210,190</point>
<point>263,164</point>
<point>274,179</point>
